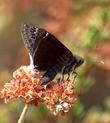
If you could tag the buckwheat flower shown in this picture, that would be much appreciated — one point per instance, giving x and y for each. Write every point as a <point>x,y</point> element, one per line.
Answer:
<point>23,86</point>
<point>60,97</point>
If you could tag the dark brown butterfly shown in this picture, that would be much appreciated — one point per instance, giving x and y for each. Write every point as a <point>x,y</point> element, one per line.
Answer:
<point>48,54</point>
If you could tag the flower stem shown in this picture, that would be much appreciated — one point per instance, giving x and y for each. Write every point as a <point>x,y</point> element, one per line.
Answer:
<point>23,114</point>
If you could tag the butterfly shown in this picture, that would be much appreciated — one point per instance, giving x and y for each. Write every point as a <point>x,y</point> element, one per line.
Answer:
<point>48,54</point>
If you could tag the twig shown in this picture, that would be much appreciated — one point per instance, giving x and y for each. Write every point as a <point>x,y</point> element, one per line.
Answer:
<point>23,114</point>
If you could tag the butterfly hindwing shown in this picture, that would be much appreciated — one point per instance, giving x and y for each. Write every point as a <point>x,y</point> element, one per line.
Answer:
<point>48,52</point>
<point>42,46</point>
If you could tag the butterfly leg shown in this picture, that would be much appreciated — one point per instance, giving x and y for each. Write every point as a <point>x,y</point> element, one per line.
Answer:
<point>68,76</point>
<point>62,61</point>
<point>62,74</point>
<point>74,75</point>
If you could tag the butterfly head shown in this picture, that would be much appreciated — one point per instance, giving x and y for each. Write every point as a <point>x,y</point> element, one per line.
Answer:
<point>79,61</point>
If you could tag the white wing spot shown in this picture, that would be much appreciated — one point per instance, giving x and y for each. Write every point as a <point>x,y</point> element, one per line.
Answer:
<point>31,62</point>
<point>47,34</point>
<point>36,31</point>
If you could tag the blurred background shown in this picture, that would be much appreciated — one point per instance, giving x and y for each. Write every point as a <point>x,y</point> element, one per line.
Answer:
<point>84,27</point>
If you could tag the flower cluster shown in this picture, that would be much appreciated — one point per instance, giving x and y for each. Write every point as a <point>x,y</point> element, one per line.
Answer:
<point>23,86</point>
<point>58,96</point>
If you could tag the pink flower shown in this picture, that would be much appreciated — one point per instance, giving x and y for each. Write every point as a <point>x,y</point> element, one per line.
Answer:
<point>23,86</point>
<point>58,96</point>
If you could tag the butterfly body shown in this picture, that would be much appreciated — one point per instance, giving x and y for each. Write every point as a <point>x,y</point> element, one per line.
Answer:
<point>48,54</point>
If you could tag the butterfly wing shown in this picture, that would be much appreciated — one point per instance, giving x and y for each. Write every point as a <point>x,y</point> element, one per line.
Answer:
<point>48,52</point>
<point>31,37</point>
<point>44,48</point>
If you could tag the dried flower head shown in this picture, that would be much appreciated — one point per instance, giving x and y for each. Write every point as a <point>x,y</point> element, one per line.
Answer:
<point>23,86</point>
<point>58,96</point>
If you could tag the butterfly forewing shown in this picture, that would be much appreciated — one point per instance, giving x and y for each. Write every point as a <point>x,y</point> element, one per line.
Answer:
<point>31,37</point>
<point>44,48</point>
